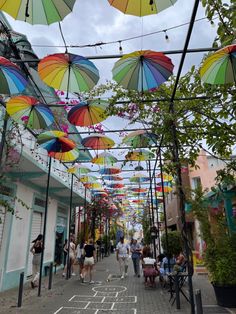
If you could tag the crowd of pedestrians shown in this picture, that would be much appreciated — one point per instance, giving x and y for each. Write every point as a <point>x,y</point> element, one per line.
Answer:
<point>85,255</point>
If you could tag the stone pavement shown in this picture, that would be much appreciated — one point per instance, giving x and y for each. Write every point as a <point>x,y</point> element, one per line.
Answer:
<point>109,294</point>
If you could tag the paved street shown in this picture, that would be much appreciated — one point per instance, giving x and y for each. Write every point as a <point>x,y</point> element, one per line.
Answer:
<point>127,296</point>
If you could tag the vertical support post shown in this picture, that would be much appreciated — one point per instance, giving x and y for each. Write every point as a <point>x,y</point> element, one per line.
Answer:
<point>85,195</point>
<point>44,227</point>
<point>198,300</point>
<point>158,223</point>
<point>152,208</point>
<point>3,139</point>
<point>177,291</point>
<point>21,287</point>
<point>164,211</point>
<point>68,270</point>
<point>50,276</point>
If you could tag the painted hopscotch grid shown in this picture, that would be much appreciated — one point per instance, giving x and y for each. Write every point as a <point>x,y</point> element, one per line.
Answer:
<point>74,310</point>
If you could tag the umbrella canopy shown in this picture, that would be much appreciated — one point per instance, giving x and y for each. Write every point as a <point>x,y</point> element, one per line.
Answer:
<point>93,185</point>
<point>220,67</point>
<point>140,155</point>
<point>109,170</point>
<point>78,169</point>
<point>165,176</point>
<point>141,7</point>
<point>140,138</point>
<point>116,185</point>
<point>55,141</point>
<point>30,112</point>
<point>88,179</point>
<point>139,190</point>
<point>112,178</point>
<point>167,188</point>
<point>88,113</point>
<point>37,11</point>
<point>97,142</point>
<point>142,70</point>
<point>13,80</point>
<point>69,156</point>
<point>104,159</point>
<point>68,72</point>
<point>139,178</point>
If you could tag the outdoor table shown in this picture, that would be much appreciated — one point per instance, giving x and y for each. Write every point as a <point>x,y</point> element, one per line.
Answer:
<point>177,280</point>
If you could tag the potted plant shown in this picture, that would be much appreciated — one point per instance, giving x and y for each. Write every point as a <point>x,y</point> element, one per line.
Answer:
<point>174,243</point>
<point>220,252</point>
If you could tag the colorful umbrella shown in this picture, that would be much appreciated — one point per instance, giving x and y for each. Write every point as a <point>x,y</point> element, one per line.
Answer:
<point>139,190</point>
<point>141,7</point>
<point>37,11</point>
<point>13,80</point>
<point>140,138</point>
<point>139,178</point>
<point>68,72</point>
<point>88,113</point>
<point>88,179</point>
<point>142,70</point>
<point>55,141</point>
<point>78,169</point>
<point>97,142</point>
<point>167,188</point>
<point>69,156</point>
<point>140,155</point>
<point>93,185</point>
<point>165,176</point>
<point>109,170</point>
<point>116,185</point>
<point>220,67</point>
<point>104,159</point>
<point>112,178</point>
<point>30,112</point>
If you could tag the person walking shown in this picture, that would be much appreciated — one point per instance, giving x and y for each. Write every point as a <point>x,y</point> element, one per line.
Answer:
<point>80,255</point>
<point>71,249</point>
<point>65,251</point>
<point>89,261</point>
<point>122,254</point>
<point>136,249</point>
<point>36,250</point>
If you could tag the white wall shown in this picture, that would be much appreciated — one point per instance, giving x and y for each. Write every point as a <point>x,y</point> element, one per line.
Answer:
<point>50,230</point>
<point>20,230</point>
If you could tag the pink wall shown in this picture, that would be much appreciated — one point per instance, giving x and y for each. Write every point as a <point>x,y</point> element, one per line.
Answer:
<point>208,166</point>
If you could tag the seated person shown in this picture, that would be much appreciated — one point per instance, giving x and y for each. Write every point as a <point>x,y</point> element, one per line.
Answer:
<point>167,265</point>
<point>180,262</point>
<point>149,270</point>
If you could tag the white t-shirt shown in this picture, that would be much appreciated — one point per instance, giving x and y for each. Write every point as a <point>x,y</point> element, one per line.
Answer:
<point>122,249</point>
<point>149,261</point>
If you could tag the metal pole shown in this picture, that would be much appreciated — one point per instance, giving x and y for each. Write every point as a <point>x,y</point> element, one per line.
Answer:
<point>68,270</point>
<point>164,212</point>
<point>44,227</point>
<point>152,208</point>
<point>3,139</point>
<point>176,280</point>
<point>198,299</point>
<point>20,292</point>
<point>158,223</point>
<point>50,276</point>
<point>85,195</point>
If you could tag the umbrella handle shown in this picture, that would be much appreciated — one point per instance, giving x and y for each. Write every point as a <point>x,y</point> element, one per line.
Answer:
<point>27,10</point>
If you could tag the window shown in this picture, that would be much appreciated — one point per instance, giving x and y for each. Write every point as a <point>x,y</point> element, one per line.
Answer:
<point>196,182</point>
<point>39,202</point>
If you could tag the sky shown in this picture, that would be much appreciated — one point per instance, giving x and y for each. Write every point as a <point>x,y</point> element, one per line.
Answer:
<point>94,21</point>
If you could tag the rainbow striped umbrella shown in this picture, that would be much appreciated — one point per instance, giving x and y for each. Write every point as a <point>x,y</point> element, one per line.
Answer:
<point>37,11</point>
<point>165,176</point>
<point>69,156</point>
<point>139,178</point>
<point>220,67</point>
<point>68,72</point>
<point>88,179</point>
<point>110,170</point>
<point>55,141</point>
<point>104,159</point>
<point>98,142</point>
<point>112,178</point>
<point>140,138</point>
<point>78,169</point>
<point>13,80</point>
<point>167,187</point>
<point>140,155</point>
<point>141,7</point>
<point>88,113</point>
<point>142,70</point>
<point>30,112</point>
